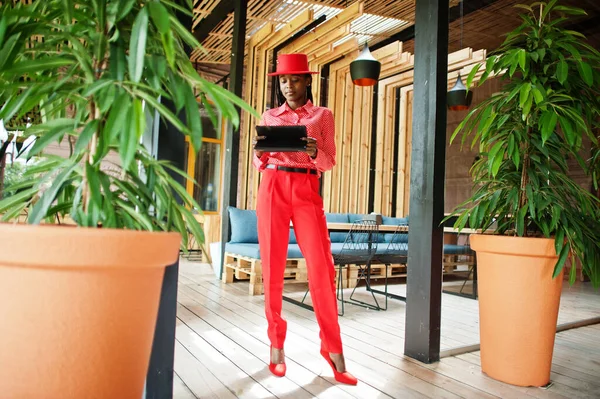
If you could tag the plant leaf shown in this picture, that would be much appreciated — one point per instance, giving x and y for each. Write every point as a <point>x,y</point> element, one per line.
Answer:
<point>561,260</point>
<point>85,136</point>
<point>93,181</point>
<point>160,17</point>
<point>137,45</point>
<point>472,74</point>
<point>40,209</point>
<point>562,71</point>
<point>130,137</point>
<point>52,131</point>
<point>585,70</point>
<point>193,118</point>
<point>117,61</point>
<point>521,221</point>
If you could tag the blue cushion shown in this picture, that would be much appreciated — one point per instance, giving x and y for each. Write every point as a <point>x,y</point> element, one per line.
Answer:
<point>395,221</point>
<point>337,218</point>
<point>253,250</point>
<point>401,237</point>
<point>294,251</point>
<point>249,250</point>
<point>244,227</point>
<point>384,249</point>
<point>355,217</point>
<point>336,247</point>
<point>292,239</point>
<point>451,249</point>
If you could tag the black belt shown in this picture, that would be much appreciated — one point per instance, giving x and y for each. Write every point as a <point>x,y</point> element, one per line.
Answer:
<point>287,169</point>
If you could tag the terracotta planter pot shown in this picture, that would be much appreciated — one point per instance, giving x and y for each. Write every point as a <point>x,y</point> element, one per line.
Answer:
<point>78,308</point>
<point>518,307</point>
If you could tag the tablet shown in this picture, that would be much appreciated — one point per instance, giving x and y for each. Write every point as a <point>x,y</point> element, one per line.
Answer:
<point>281,138</point>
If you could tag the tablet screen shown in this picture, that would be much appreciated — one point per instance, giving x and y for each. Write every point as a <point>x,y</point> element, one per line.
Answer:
<point>281,138</point>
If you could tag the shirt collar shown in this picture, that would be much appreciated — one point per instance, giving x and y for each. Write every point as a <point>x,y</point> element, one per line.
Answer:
<point>308,107</point>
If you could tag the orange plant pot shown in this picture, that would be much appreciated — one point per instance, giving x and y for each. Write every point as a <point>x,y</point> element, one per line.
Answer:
<point>78,307</point>
<point>518,307</point>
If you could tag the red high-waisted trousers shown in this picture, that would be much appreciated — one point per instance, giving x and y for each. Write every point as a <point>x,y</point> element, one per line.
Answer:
<point>285,196</point>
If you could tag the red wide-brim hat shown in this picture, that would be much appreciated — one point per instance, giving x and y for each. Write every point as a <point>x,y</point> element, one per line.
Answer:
<point>291,64</point>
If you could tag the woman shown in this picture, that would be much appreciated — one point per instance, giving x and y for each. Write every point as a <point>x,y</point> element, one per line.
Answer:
<point>289,190</point>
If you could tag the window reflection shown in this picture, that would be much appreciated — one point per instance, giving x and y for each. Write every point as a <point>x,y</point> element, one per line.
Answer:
<point>207,172</point>
<point>208,129</point>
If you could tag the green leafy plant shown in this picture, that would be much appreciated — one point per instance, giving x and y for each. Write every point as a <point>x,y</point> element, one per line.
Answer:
<point>94,69</point>
<point>526,132</point>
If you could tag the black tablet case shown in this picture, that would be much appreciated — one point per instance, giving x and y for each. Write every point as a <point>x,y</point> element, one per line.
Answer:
<point>281,138</point>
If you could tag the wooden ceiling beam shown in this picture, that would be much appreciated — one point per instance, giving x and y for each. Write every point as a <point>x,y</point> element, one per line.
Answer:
<point>453,15</point>
<point>217,15</point>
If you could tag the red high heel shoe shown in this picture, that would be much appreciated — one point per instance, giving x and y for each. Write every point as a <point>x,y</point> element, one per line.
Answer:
<point>345,377</point>
<point>277,369</point>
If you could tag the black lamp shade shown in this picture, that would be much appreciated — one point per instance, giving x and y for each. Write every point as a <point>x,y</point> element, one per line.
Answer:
<point>458,97</point>
<point>365,69</point>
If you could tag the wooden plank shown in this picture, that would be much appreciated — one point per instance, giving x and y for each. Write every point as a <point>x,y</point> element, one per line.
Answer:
<point>321,31</point>
<point>476,57</point>
<point>349,46</point>
<point>377,205</point>
<point>317,62</point>
<point>347,133</point>
<point>355,143</point>
<point>460,55</point>
<point>321,42</point>
<point>365,150</point>
<point>198,378</point>
<point>327,185</point>
<point>180,390</point>
<point>372,344</point>
<point>223,369</point>
<point>404,63</point>
<point>388,50</point>
<point>388,150</point>
<point>408,153</point>
<point>401,155</point>
<point>278,37</point>
<point>261,35</point>
<point>257,374</point>
<point>340,92</point>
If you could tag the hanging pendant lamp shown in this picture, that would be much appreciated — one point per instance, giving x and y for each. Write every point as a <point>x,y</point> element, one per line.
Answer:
<point>458,97</point>
<point>365,69</point>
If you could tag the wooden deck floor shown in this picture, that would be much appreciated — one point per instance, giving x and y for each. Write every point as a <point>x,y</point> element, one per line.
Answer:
<point>222,349</point>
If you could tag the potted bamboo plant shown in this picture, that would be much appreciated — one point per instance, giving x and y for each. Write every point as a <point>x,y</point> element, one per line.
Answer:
<point>548,107</point>
<point>78,304</point>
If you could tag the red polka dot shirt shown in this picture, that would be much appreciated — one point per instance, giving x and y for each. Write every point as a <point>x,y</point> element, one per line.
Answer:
<point>319,125</point>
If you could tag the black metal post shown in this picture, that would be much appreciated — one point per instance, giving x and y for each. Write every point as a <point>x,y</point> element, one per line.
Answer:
<point>232,139</point>
<point>424,281</point>
<point>170,147</point>
<point>159,380</point>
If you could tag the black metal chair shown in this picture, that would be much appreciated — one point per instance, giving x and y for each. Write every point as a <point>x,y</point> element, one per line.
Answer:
<point>396,252</point>
<point>358,248</point>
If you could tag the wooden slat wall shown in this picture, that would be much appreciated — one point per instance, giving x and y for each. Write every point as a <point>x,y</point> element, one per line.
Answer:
<point>346,187</point>
<point>461,61</point>
<point>319,51</point>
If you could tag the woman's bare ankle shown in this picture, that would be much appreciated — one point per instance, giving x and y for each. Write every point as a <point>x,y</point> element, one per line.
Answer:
<point>338,361</point>
<point>277,356</point>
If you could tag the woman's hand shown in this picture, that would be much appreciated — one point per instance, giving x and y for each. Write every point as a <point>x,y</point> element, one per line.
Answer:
<point>311,146</point>
<point>255,140</point>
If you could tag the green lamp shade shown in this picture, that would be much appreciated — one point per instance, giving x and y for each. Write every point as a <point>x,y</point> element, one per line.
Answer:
<point>365,69</point>
<point>458,97</point>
